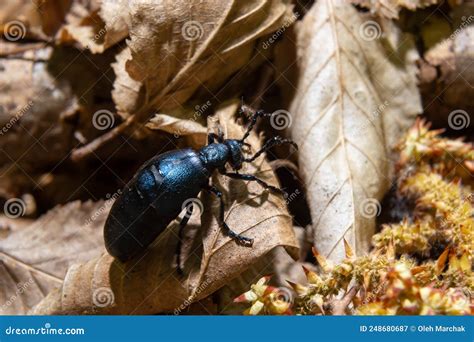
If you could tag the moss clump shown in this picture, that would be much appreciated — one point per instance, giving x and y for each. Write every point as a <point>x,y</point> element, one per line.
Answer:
<point>434,172</point>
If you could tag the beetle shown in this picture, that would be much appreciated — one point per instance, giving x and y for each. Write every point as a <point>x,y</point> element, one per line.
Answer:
<point>154,197</point>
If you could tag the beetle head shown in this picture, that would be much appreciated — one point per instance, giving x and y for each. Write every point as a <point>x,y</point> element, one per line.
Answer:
<point>235,149</point>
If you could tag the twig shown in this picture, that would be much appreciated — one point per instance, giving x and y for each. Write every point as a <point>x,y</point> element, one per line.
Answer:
<point>85,151</point>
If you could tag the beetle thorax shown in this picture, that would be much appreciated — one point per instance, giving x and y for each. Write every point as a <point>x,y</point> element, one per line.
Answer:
<point>214,156</point>
<point>235,153</point>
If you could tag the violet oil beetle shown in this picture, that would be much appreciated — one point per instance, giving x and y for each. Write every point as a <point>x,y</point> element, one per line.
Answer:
<point>153,198</point>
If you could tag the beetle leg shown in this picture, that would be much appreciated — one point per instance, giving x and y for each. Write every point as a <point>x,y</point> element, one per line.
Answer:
<point>182,225</point>
<point>220,135</point>
<point>264,184</point>
<point>275,141</point>
<point>211,137</point>
<point>227,231</point>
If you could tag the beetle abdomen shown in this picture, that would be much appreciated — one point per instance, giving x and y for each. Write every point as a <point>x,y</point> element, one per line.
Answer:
<point>151,200</point>
<point>132,225</point>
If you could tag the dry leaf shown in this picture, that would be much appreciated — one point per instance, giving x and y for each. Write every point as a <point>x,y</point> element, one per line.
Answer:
<point>33,101</point>
<point>447,78</point>
<point>150,284</point>
<point>96,25</point>
<point>10,224</point>
<point>278,263</point>
<point>34,258</point>
<point>352,104</point>
<point>31,19</point>
<point>177,124</point>
<point>46,100</point>
<point>391,8</point>
<point>178,47</point>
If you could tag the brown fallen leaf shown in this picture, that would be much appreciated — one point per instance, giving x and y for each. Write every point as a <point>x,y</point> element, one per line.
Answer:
<point>447,78</point>
<point>182,123</point>
<point>34,101</point>
<point>391,8</point>
<point>95,25</point>
<point>149,284</point>
<point>10,224</point>
<point>46,103</point>
<point>352,103</point>
<point>278,263</point>
<point>31,19</point>
<point>34,258</point>
<point>175,49</point>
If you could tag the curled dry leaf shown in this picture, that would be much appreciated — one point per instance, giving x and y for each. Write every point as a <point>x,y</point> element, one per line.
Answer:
<point>96,25</point>
<point>34,258</point>
<point>149,284</point>
<point>352,104</point>
<point>177,47</point>
<point>178,124</point>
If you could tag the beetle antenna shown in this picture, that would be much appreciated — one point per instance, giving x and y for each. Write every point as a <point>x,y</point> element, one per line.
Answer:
<point>275,141</point>
<point>253,121</point>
